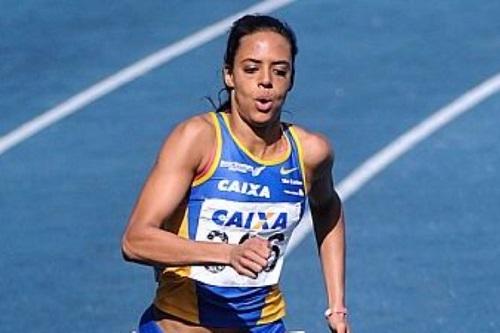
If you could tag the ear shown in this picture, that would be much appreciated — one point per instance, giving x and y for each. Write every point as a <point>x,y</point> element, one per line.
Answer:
<point>228,77</point>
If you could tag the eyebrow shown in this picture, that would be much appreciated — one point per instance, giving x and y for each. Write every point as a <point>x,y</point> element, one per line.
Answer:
<point>278,62</point>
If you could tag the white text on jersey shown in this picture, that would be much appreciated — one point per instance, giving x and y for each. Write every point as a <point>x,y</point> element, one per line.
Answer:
<point>242,167</point>
<point>255,190</point>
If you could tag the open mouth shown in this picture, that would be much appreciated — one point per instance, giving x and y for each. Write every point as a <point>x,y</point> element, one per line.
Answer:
<point>263,104</point>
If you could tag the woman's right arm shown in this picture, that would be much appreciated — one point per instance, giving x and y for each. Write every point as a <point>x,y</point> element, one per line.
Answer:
<point>185,150</point>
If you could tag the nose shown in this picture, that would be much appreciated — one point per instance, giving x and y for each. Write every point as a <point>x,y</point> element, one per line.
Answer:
<point>265,79</point>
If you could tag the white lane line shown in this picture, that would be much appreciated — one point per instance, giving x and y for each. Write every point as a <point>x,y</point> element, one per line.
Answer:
<point>382,159</point>
<point>130,73</point>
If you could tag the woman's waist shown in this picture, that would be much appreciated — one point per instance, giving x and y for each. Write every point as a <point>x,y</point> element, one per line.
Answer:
<point>213,306</point>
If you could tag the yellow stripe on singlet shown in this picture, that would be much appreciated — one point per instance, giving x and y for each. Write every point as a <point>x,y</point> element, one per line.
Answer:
<point>300,152</point>
<point>280,159</point>
<point>176,293</point>
<point>274,306</point>
<point>216,159</point>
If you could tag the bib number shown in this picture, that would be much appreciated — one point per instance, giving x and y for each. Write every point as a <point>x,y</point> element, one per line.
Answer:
<point>230,222</point>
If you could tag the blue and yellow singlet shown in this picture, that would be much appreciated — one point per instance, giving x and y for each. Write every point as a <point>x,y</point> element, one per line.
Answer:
<point>240,196</point>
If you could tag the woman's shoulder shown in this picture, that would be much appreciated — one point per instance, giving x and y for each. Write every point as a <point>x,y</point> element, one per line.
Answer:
<point>198,127</point>
<point>192,137</point>
<point>201,121</point>
<point>316,147</point>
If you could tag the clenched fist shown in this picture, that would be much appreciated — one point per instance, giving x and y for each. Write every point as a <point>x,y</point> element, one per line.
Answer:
<point>250,257</point>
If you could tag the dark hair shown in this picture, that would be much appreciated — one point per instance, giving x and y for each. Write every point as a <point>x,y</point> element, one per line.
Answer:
<point>247,25</point>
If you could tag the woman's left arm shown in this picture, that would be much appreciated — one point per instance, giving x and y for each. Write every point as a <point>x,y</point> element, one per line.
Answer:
<point>329,228</point>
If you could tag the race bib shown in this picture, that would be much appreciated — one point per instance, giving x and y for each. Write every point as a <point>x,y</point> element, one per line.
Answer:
<point>234,222</point>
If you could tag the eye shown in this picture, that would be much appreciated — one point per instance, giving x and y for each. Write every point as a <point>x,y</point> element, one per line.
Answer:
<point>250,69</point>
<point>280,72</point>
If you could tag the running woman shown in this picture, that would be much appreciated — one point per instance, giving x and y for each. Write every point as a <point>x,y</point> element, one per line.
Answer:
<point>228,188</point>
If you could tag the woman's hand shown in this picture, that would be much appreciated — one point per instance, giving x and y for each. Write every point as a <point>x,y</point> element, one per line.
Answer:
<point>250,257</point>
<point>338,323</point>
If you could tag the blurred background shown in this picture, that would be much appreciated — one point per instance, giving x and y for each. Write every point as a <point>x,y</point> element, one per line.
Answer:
<point>423,234</point>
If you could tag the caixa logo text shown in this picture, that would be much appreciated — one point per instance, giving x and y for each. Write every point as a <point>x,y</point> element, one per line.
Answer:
<point>251,220</point>
<point>251,189</point>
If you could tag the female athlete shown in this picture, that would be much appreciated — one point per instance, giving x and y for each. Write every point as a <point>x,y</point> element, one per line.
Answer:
<point>228,188</point>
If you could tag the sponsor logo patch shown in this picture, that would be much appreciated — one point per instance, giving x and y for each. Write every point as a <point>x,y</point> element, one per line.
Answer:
<point>242,167</point>
<point>284,171</point>
<point>291,181</point>
<point>298,193</point>
<point>256,220</point>
<point>246,188</point>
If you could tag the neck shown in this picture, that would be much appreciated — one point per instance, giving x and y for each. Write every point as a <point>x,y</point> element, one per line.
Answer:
<point>263,141</point>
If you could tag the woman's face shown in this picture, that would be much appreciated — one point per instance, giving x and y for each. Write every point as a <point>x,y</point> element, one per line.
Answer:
<point>261,77</point>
